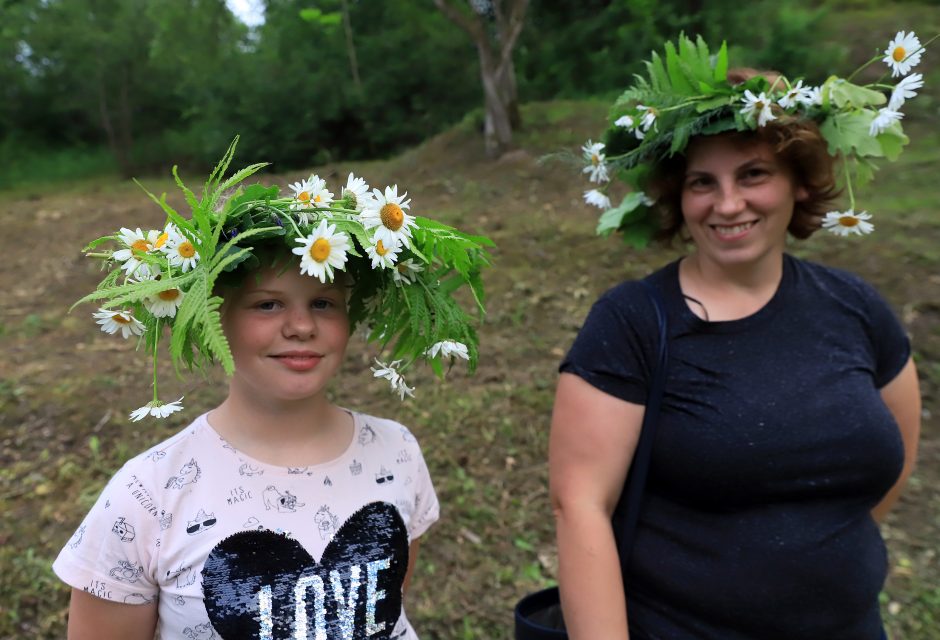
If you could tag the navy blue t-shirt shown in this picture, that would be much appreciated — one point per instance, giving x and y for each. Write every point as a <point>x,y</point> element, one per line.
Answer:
<point>773,446</point>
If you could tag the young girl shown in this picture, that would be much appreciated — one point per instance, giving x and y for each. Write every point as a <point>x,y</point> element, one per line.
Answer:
<point>277,514</point>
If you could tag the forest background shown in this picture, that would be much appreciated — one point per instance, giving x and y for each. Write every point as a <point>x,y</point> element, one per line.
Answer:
<point>95,91</point>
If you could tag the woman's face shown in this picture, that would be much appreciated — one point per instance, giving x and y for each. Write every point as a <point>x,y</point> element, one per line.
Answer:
<point>737,200</point>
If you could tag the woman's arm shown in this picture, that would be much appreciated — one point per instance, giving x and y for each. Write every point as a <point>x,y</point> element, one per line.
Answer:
<point>94,618</point>
<point>592,441</point>
<point>902,396</point>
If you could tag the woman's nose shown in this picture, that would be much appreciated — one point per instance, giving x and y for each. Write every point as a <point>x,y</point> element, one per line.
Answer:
<point>729,200</point>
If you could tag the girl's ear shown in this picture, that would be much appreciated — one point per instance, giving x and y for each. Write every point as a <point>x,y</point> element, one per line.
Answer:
<point>801,194</point>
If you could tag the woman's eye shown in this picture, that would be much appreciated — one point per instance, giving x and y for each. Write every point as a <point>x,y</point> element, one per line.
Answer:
<point>755,173</point>
<point>697,183</point>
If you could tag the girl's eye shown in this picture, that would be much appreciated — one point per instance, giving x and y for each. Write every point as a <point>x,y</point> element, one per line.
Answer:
<point>266,305</point>
<point>322,303</point>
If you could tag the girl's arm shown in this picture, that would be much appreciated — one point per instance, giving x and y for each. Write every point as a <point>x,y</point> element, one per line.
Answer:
<point>412,558</point>
<point>94,618</point>
<point>902,396</point>
<point>592,441</point>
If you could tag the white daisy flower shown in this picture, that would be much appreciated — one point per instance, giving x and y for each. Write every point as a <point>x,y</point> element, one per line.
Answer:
<point>885,118</point>
<point>136,246</point>
<point>649,116</point>
<point>624,121</point>
<point>386,212</point>
<point>597,167</point>
<point>357,190</point>
<point>324,249</point>
<point>156,409</point>
<point>381,256</point>
<point>905,90</point>
<point>165,303</point>
<point>113,321</point>
<point>596,198</point>
<point>813,96</point>
<point>798,94</point>
<point>180,250</point>
<point>757,106</point>
<point>903,53</point>
<point>390,373</point>
<point>404,272</point>
<point>303,193</point>
<point>448,349</point>
<point>846,223</point>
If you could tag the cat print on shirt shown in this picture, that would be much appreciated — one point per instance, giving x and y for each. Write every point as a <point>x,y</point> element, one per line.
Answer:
<point>123,530</point>
<point>326,522</point>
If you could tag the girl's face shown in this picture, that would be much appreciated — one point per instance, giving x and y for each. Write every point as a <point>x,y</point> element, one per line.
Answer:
<point>288,334</point>
<point>737,200</point>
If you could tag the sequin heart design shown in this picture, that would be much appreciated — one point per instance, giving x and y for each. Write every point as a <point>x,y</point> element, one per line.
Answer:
<point>265,586</point>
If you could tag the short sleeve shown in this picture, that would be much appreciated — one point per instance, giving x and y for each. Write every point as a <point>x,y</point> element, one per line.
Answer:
<point>612,349</point>
<point>426,506</point>
<point>112,553</point>
<point>890,343</point>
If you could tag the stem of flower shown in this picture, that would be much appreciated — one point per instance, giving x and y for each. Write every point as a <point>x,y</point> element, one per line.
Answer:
<point>848,185</point>
<point>864,66</point>
<point>156,340</point>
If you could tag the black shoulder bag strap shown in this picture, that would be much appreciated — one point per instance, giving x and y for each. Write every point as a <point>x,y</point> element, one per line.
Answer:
<point>631,500</point>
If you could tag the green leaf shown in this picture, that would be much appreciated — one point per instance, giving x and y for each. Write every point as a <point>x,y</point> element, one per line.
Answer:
<point>612,219</point>
<point>720,73</point>
<point>892,141</point>
<point>844,94</point>
<point>847,133</point>
<point>677,77</point>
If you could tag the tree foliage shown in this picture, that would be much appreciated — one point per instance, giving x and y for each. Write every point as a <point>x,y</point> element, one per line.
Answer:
<point>163,81</point>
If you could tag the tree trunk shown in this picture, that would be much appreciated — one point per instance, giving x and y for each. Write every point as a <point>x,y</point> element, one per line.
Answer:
<point>106,123</point>
<point>497,126</point>
<point>500,98</point>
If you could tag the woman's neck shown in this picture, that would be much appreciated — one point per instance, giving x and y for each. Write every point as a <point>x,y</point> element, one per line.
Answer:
<point>728,292</point>
<point>289,434</point>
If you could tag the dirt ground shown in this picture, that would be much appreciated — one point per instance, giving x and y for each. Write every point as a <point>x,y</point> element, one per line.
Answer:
<point>65,387</point>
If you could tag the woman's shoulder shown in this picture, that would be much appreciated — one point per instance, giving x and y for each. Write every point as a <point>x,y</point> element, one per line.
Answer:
<point>839,283</point>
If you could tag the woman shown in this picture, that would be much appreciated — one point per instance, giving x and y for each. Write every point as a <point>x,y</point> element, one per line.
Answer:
<point>790,417</point>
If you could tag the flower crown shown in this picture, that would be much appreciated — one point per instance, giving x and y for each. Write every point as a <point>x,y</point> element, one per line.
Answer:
<point>688,93</point>
<point>404,268</point>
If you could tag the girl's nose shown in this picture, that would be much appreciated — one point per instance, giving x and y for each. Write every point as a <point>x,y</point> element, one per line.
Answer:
<point>300,324</point>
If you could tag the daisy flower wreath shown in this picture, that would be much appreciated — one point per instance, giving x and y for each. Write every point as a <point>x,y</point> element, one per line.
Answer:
<point>686,92</point>
<point>161,282</point>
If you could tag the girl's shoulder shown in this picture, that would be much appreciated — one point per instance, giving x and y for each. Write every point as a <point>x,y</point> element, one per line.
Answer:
<point>371,429</point>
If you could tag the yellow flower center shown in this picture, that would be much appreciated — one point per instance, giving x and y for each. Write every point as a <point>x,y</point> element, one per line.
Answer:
<point>120,318</point>
<point>304,196</point>
<point>392,216</point>
<point>169,295</point>
<point>161,240</point>
<point>595,159</point>
<point>848,221</point>
<point>899,54</point>
<point>380,248</point>
<point>140,246</point>
<point>402,268</point>
<point>758,106</point>
<point>186,249</point>
<point>318,198</point>
<point>320,250</point>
